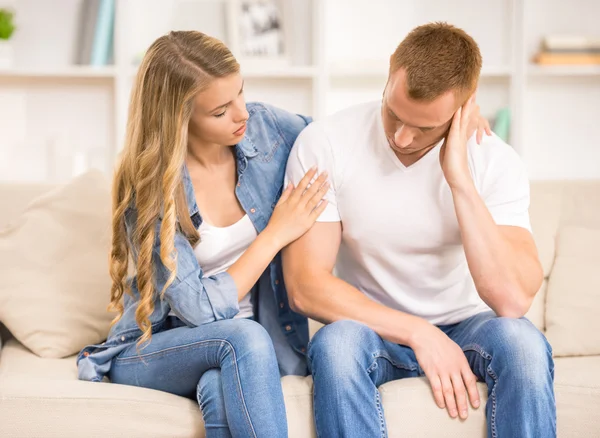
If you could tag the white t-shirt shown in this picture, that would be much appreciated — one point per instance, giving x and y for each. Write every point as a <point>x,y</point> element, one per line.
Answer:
<point>401,244</point>
<point>219,248</point>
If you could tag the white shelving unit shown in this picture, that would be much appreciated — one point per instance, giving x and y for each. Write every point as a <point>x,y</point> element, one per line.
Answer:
<point>338,51</point>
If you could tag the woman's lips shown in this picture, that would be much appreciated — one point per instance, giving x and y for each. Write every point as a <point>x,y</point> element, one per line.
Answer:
<point>241,130</point>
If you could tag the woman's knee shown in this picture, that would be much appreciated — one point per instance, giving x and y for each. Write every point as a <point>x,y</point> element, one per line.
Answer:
<point>249,337</point>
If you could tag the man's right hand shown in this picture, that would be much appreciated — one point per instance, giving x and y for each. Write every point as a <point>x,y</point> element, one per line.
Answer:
<point>447,369</point>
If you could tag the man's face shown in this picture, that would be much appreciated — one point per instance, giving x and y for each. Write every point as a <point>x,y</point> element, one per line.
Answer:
<point>413,127</point>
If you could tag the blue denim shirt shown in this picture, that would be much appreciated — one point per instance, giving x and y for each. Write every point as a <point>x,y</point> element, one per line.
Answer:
<point>198,300</point>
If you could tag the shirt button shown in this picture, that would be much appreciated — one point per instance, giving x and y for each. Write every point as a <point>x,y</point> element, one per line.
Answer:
<point>239,184</point>
<point>86,353</point>
<point>122,338</point>
<point>281,305</point>
<point>288,328</point>
<point>252,210</point>
<point>276,281</point>
<point>303,350</point>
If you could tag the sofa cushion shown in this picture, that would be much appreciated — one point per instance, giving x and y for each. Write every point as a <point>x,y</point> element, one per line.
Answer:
<point>537,311</point>
<point>408,404</point>
<point>573,298</point>
<point>42,397</point>
<point>577,387</point>
<point>16,197</point>
<point>55,284</point>
<point>545,215</point>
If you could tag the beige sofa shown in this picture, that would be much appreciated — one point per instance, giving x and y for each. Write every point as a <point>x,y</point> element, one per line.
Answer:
<point>41,397</point>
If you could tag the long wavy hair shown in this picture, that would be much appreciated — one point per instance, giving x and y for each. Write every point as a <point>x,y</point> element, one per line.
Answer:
<point>148,177</point>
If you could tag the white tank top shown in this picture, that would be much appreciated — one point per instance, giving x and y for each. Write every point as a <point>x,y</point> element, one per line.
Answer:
<point>219,248</point>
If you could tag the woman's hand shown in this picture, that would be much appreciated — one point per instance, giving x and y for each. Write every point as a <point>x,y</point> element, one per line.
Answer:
<point>298,208</point>
<point>478,123</point>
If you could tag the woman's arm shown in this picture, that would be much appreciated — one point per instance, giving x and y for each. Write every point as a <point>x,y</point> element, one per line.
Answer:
<point>198,300</point>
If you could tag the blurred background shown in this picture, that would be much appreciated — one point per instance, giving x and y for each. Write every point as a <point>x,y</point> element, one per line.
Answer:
<point>67,66</point>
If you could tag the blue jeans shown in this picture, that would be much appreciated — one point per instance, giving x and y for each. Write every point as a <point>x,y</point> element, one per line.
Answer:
<point>229,366</point>
<point>349,361</point>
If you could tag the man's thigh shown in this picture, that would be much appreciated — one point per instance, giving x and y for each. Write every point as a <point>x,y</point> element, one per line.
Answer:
<point>511,341</point>
<point>352,347</point>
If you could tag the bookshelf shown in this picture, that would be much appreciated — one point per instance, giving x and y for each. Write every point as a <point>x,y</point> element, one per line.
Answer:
<point>50,103</point>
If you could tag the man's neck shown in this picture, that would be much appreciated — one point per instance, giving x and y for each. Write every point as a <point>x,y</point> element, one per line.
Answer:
<point>408,160</point>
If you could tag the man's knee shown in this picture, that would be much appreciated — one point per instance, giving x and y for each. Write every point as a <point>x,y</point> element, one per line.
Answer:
<point>520,350</point>
<point>340,345</point>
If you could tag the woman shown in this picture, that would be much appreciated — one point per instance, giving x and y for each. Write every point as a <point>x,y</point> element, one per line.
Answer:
<point>203,224</point>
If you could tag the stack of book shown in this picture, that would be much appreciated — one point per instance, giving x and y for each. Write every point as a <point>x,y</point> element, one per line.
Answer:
<point>569,50</point>
<point>96,29</point>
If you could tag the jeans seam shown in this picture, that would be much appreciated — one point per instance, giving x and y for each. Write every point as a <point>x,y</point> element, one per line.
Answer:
<point>239,387</point>
<point>382,427</point>
<point>315,416</point>
<point>162,352</point>
<point>477,349</point>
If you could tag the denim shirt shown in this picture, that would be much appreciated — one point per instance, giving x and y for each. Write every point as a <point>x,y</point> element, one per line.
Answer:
<point>196,300</point>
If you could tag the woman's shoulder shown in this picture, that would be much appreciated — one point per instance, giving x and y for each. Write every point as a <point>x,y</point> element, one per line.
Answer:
<point>268,121</point>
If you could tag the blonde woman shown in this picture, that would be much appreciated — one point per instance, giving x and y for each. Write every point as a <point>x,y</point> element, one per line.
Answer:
<point>198,206</point>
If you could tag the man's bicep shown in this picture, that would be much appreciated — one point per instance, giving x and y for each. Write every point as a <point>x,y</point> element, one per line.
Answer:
<point>315,251</point>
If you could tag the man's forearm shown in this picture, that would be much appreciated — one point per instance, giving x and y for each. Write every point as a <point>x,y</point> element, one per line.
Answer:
<point>326,298</point>
<point>505,278</point>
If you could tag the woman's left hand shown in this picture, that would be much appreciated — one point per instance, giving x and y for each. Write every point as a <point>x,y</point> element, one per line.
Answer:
<point>479,123</point>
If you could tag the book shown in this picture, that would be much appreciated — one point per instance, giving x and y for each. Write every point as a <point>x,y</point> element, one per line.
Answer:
<point>571,42</point>
<point>87,28</point>
<point>545,58</point>
<point>103,36</point>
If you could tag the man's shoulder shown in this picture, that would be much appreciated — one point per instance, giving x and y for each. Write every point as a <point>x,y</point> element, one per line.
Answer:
<point>357,116</point>
<point>493,152</point>
<point>496,165</point>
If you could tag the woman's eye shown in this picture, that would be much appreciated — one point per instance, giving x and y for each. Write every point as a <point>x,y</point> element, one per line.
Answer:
<point>221,115</point>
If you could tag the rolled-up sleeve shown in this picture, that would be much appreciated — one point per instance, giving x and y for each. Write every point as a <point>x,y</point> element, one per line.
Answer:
<point>195,299</point>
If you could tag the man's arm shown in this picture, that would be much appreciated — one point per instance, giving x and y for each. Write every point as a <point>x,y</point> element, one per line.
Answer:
<point>314,291</point>
<point>500,251</point>
<point>503,260</point>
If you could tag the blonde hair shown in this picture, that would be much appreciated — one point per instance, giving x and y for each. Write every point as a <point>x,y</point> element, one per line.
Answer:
<point>175,68</point>
<point>437,58</point>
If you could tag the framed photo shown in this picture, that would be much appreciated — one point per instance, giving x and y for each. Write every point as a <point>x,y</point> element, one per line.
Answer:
<point>257,32</point>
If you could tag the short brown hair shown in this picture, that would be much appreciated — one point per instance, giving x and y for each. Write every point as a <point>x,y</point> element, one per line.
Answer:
<point>437,58</point>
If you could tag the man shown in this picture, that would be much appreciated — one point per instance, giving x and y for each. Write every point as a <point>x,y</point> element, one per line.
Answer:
<point>436,264</point>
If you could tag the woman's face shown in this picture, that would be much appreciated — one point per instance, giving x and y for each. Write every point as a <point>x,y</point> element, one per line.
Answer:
<point>219,115</point>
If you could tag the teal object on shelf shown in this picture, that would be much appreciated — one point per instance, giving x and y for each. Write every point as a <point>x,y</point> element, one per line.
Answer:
<point>103,37</point>
<point>502,124</point>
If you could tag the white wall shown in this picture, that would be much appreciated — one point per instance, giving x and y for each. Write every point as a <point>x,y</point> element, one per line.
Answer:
<point>49,105</point>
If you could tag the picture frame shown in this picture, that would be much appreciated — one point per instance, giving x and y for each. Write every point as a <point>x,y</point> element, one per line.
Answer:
<point>258,34</point>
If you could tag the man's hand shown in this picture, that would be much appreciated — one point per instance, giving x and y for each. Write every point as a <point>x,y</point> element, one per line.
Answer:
<point>447,369</point>
<point>453,154</point>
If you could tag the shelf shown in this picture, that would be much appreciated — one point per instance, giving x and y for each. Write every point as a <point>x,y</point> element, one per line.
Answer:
<point>368,68</point>
<point>268,72</point>
<point>68,72</point>
<point>293,72</point>
<point>563,70</point>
